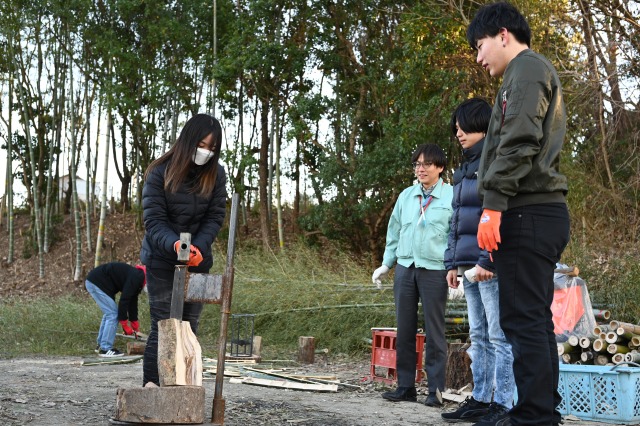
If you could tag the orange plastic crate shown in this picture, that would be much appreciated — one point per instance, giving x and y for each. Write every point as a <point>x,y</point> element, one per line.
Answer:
<point>383,356</point>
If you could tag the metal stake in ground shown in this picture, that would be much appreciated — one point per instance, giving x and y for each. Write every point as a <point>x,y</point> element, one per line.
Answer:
<point>177,297</point>
<point>217,415</point>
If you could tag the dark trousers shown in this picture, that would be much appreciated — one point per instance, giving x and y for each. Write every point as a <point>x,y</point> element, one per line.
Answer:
<point>411,285</point>
<point>533,238</point>
<point>160,287</point>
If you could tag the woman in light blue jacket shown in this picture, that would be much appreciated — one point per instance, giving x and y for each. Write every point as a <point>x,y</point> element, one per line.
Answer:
<point>416,241</point>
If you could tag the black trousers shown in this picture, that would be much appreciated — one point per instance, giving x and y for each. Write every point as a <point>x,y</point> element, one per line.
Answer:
<point>430,286</point>
<point>533,238</point>
<point>160,287</point>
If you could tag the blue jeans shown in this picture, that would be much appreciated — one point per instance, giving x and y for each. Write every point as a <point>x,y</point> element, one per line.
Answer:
<point>490,353</point>
<point>109,324</point>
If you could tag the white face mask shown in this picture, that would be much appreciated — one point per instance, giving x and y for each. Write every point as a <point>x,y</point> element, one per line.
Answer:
<point>202,156</point>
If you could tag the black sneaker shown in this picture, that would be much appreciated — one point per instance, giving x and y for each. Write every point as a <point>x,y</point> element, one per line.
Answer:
<point>401,394</point>
<point>433,401</point>
<point>498,415</point>
<point>111,353</point>
<point>470,410</point>
<point>97,349</point>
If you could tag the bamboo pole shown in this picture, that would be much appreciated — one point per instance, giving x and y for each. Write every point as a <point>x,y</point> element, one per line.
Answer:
<point>617,349</point>
<point>601,314</point>
<point>599,346</point>
<point>573,341</point>
<point>618,358</point>
<point>632,357</point>
<point>571,357</point>
<point>565,348</point>
<point>601,328</point>
<point>602,360</point>
<point>631,328</point>
<point>613,337</point>
<point>585,342</point>
<point>587,356</point>
<point>626,334</point>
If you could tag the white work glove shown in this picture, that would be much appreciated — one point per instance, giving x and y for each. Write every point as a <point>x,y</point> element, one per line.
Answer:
<point>456,293</point>
<point>379,274</point>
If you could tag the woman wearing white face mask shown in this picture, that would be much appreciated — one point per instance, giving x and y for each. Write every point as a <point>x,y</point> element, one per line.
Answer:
<point>184,191</point>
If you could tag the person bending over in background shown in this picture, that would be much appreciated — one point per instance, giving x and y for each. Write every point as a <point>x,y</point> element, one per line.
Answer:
<point>184,191</point>
<point>416,241</point>
<point>525,209</point>
<point>103,283</point>
<point>490,353</point>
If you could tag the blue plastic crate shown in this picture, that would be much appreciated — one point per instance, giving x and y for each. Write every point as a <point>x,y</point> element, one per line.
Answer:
<point>609,394</point>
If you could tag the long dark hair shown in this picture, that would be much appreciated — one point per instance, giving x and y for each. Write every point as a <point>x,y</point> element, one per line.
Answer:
<point>180,156</point>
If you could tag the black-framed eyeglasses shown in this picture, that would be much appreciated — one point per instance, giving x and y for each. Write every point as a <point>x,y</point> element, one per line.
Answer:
<point>417,164</point>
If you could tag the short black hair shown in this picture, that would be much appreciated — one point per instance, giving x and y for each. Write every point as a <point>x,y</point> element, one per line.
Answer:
<point>472,116</point>
<point>490,18</point>
<point>431,153</point>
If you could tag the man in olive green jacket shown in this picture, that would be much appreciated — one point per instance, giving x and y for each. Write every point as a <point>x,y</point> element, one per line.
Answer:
<point>524,204</point>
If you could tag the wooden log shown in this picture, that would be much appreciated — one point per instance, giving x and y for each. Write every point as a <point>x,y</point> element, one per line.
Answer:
<point>458,370</point>
<point>306,349</point>
<point>617,349</point>
<point>203,288</point>
<point>179,354</point>
<point>257,346</point>
<point>164,405</point>
<point>136,348</point>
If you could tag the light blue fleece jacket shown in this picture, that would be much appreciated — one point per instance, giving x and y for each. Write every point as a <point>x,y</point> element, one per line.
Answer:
<point>415,239</point>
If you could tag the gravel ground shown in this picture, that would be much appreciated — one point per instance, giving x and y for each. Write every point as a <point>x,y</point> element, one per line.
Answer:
<point>60,391</point>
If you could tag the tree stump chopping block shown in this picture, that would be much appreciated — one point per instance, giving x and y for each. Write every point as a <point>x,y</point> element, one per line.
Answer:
<point>164,405</point>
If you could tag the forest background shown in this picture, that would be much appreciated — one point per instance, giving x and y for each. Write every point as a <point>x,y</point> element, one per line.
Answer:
<point>327,98</point>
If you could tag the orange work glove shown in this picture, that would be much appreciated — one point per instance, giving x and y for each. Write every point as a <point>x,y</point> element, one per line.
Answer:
<point>489,230</point>
<point>195,257</point>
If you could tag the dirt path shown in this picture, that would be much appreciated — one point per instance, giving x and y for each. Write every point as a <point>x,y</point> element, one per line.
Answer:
<point>59,391</point>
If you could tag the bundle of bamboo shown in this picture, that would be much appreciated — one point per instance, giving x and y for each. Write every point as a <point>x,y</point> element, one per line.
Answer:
<point>610,343</point>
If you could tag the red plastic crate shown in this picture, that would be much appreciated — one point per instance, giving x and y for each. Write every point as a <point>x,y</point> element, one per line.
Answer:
<point>383,356</point>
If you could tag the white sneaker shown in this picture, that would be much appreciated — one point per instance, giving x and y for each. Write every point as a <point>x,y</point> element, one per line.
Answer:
<point>111,353</point>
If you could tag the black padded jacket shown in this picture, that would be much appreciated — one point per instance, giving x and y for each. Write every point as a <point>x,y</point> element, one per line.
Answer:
<point>167,214</point>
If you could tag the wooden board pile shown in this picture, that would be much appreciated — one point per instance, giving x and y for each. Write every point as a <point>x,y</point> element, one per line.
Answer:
<point>610,343</point>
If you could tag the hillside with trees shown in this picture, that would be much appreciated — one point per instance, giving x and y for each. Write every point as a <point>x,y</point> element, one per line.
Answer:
<point>324,100</point>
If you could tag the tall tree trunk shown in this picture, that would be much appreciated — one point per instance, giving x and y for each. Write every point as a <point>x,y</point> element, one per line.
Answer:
<point>263,172</point>
<point>277,172</point>
<point>103,195</point>
<point>9,190</point>
<point>74,183</point>
<point>87,191</point>
<point>34,181</point>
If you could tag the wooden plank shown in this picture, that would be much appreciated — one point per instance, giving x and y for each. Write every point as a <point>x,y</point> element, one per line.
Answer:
<point>203,288</point>
<point>164,405</point>
<point>106,361</point>
<point>286,384</point>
